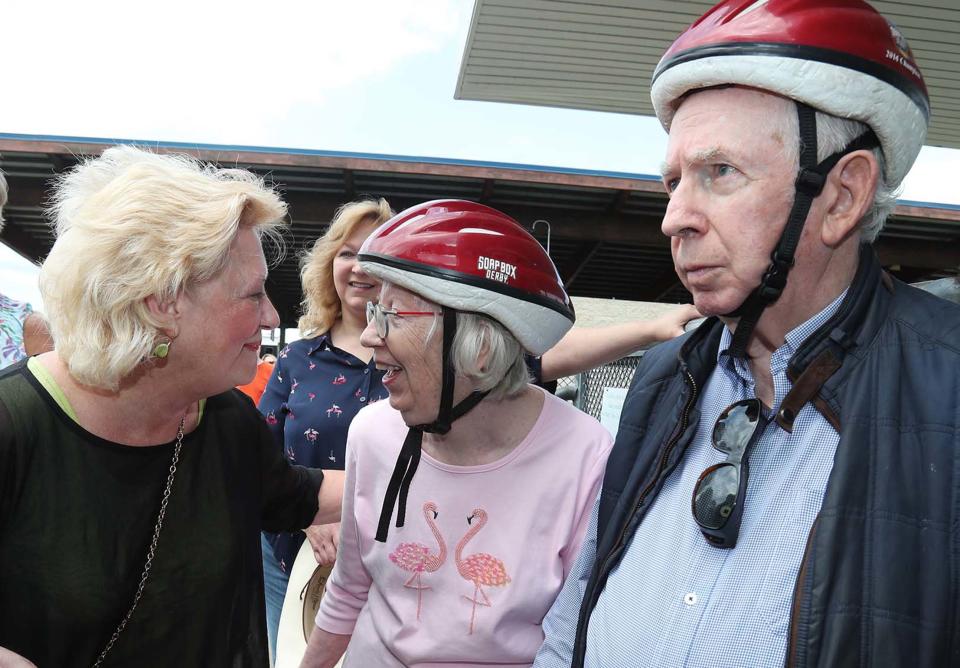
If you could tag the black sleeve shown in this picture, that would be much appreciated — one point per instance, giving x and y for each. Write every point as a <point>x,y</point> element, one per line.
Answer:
<point>535,367</point>
<point>7,464</point>
<point>289,492</point>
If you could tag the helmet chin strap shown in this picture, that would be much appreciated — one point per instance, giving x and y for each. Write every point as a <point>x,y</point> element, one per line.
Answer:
<point>809,184</point>
<point>409,458</point>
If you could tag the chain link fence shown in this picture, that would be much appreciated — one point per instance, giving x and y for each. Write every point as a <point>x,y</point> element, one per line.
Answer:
<point>590,387</point>
<point>585,390</point>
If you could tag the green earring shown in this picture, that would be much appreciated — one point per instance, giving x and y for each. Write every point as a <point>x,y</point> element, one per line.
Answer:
<point>161,350</point>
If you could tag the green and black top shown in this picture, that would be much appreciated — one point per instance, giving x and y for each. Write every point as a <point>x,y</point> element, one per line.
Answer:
<point>77,514</point>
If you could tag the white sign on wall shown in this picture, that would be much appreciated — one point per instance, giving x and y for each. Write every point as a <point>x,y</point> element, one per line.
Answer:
<point>610,407</point>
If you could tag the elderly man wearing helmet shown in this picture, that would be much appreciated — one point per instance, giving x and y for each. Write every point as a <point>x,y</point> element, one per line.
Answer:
<point>784,484</point>
<point>488,528</point>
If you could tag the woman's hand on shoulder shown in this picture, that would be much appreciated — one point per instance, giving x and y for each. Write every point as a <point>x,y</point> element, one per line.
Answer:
<point>671,323</point>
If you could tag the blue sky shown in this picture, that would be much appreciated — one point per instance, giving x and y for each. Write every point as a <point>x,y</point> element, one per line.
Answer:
<point>370,76</point>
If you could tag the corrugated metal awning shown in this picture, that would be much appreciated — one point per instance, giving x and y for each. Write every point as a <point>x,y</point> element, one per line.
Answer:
<point>604,228</point>
<point>600,54</point>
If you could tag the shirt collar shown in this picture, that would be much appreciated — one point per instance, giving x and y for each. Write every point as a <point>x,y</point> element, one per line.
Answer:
<point>781,356</point>
<point>321,342</point>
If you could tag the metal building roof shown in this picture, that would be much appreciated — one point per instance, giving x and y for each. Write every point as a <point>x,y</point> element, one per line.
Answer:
<point>605,227</point>
<point>601,54</point>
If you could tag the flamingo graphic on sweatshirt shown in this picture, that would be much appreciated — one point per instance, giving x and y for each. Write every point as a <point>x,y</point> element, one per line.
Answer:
<point>482,569</point>
<point>417,559</point>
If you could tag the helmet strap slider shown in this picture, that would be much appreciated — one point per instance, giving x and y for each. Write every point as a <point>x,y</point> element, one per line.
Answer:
<point>810,182</point>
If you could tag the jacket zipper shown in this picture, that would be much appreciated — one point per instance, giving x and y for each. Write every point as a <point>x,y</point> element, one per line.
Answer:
<point>643,495</point>
<point>791,659</point>
<point>662,464</point>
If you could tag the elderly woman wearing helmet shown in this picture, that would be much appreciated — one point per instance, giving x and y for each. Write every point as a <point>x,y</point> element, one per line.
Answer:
<point>491,478</point>
<point>134,482</point>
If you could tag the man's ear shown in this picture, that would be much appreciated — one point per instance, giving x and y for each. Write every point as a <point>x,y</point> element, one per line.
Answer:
<point>166,312</point>
<point>852,184</point>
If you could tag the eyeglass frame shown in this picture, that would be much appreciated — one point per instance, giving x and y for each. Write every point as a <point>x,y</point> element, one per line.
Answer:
<point>726,535</point>
<point>374,308</point>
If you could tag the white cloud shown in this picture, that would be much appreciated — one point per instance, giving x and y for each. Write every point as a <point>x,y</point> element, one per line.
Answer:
<point>203,70</point>
<point>370,75</point>
<point>934,177</point>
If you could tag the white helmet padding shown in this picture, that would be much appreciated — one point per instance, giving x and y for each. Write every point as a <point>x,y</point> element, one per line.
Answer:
<point>896,119</point>
<point>538,328</point>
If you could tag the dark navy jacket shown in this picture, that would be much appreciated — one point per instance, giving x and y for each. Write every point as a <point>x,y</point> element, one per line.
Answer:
<point>879,583</point>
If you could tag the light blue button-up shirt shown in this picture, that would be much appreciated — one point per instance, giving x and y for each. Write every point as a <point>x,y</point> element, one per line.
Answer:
<point>674,599</point>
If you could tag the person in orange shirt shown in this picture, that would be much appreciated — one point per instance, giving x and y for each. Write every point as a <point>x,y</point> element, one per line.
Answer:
<point>255,387</point>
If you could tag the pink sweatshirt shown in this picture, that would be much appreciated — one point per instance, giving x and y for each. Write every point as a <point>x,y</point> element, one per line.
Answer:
<point>444,590</point>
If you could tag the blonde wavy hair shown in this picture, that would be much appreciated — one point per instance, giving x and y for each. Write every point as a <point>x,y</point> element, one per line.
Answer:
<point>130,224</point>
<point>321,304</point>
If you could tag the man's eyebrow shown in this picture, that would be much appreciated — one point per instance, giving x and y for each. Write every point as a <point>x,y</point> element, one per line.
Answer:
<point>709,154</point>
<point>703,156</point>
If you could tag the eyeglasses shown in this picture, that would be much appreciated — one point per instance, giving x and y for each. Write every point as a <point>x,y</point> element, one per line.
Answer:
<point>377,314</point>
<point>719,495</point>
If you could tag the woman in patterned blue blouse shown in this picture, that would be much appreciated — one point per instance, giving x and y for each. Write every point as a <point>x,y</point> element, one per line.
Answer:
<point>320,382</point>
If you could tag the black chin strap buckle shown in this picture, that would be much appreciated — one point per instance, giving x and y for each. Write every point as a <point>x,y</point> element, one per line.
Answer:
<point>775,278</point>
<point>435,427</point>
<point>810,182</point>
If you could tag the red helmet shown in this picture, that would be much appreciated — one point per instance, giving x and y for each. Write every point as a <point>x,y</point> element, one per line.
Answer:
<point>839,56</point>
<point>469,257</point>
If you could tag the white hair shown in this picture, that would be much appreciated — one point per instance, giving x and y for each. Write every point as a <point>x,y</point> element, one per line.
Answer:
<point>504,372</point>
<point>834,134</point>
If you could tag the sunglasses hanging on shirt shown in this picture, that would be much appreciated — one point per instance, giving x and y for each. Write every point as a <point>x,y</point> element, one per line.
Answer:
<point>720,492</point>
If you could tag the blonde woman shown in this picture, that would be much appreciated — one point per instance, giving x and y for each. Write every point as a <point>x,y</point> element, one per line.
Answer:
<point>134,481</point>
<point>321,381</point>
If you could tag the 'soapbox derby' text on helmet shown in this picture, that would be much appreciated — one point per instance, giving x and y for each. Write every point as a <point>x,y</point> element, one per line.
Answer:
<point>469,257</point>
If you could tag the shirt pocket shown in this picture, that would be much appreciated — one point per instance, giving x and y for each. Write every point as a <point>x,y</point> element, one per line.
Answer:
<point>775,600</point>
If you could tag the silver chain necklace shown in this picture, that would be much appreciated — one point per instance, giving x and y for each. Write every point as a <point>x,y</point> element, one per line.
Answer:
<point>153,546</point>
